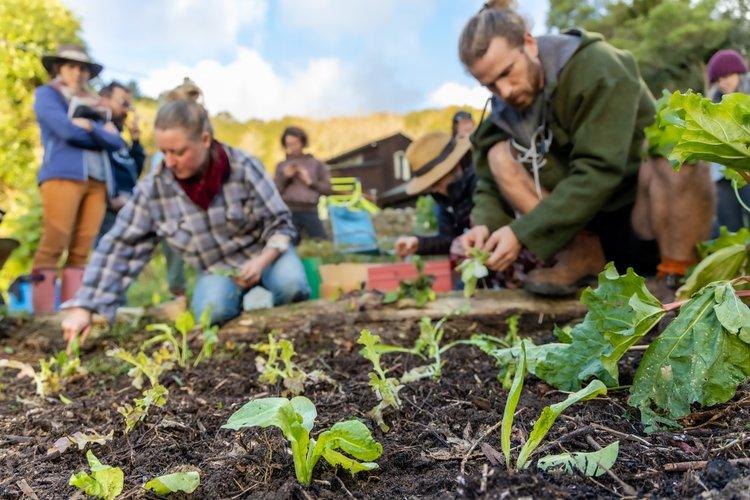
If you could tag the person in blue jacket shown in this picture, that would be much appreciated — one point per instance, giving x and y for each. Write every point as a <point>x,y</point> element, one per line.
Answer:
<point>75,175</point>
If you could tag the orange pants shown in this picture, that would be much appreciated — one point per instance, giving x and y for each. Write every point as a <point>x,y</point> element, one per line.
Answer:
<point>72,212</point>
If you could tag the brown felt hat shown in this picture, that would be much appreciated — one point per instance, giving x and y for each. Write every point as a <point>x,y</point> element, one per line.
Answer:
<point>69,52</point>
<point>432,157</point>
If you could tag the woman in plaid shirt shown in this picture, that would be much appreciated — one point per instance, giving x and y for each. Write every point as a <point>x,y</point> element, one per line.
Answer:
<point>212,203</point>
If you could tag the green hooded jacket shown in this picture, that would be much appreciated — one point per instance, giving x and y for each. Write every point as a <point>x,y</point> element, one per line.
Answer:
<point>600,106</point>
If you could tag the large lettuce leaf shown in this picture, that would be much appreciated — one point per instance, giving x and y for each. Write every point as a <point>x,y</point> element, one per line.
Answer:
<point>700,358</point>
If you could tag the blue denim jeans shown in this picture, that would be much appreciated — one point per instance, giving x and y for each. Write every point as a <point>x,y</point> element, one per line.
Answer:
<point>284,278</point>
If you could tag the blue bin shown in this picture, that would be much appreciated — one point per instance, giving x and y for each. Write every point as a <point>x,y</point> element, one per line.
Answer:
<point>353,230</point>
<point>19,300</point>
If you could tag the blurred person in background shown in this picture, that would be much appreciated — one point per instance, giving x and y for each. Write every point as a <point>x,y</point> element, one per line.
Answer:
<point>462,124</point>
<point>75,176</point>
<point>302,179</point>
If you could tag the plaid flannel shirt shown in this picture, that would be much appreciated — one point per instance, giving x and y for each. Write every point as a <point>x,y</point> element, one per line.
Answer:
<point>246,215</point>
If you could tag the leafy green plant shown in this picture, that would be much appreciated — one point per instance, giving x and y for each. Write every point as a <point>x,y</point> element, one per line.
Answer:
<point>210,337</point>
<point>134,414</point>
<point>546,419</point>
<point>426,219</point>
<point>178,482</point>
<point>418,289</point>
<point>723,258</point>
<point>270,369</point>
<point>690,128</point>
<point>428,345</point>
<point>295,418</point>
<point>386,388</point>
<point>104,481</point>
<point>473,269</point>
<point>184,324</point>
<point>144,365</point>
<point>591,464</point>
<point>700,357</point>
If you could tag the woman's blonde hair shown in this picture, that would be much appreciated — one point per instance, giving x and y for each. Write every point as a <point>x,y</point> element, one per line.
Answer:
<point>185,114</point>
<point>496,19</point>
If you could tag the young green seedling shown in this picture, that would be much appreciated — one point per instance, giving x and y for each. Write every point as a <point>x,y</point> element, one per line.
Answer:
<point>210,336</point>
<point>386,389</point>
<point>428,344</point>
<point>295,419</point>
<point>279,352</point>
<point>184,323</point>
<point>178,482</point>
<point>419,289</point>
<point>104,482</point>
<point>473,269</point>
<point>143,365</point>
<point>155,396</point>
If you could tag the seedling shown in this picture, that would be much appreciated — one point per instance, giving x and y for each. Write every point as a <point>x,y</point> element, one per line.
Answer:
<point>210,336</point>
<point>419,289</point>
<point>104,482</point>
<point>143,365</point>
<point>546,418</point>
<point>280,352</point>
<point>295,419</point>
<point>184,323</point>
<point>428,344</point>
<point>473,269</point>
<point>386,388</point>
<point>155,396</point>
<point>53,372</point>
<point>592,464</point>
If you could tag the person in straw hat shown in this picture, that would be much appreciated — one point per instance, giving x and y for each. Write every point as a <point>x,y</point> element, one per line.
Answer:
<point>75,176</point>
<point>441,166</point>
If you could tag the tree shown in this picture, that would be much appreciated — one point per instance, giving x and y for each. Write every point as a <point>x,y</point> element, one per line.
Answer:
<point>671,39</point>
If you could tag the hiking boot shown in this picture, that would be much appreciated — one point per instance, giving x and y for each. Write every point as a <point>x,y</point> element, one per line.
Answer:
<point>168,311</point>
<point>577,265</point>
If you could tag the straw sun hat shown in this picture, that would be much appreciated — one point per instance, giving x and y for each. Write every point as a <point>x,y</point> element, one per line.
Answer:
<point>69,52</point>
<point>432,157</point>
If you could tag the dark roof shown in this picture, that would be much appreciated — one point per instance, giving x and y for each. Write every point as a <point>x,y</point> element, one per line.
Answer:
<point>362,164</point>
<point>365,147</point>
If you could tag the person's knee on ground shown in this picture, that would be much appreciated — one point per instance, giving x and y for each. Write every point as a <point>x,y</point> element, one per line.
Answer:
<point>220,294</point>
<point>286,279</point>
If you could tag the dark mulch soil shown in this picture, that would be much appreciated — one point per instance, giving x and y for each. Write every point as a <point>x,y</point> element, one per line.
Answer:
<point>423,451</point>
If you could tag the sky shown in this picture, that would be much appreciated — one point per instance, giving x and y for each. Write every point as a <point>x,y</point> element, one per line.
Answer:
<point>265,59</point>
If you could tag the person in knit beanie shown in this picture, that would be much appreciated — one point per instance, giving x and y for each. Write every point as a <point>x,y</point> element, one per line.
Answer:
<point>728,73</point>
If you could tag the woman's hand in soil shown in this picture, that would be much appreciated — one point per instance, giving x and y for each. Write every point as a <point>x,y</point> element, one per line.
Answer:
<point>406,245</point>
<point>504,248</point>
<point>475,238</point>
<point>76,321</point>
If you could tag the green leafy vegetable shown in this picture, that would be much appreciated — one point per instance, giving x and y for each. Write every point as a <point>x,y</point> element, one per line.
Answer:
<point>385,388</point>
<point>210,336</point>
<point>473,269</point>
<point>724,264</point>
<point>428,344</point>
<point>155,396</point>
<point>725,239</point>
<point>104,482</point>
<point>620,312</point>
<point>184,482</point>
<point>419,289</point>
<point>550,414</point>
<point>691,128</point>
<point>295,419</point>
<point>143,365</point>
<point>592,464</point>
<point>510,406</point>
<point>184,324</point>
<point>701,357</point>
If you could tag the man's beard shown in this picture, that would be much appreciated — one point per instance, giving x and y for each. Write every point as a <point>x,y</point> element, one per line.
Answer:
<point>524,98</point>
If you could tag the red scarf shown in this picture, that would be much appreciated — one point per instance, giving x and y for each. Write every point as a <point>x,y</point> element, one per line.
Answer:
<point>204,188</point>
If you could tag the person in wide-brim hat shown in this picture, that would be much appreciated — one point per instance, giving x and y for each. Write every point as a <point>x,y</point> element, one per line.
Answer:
<point>441,166</point>
<point>70,53</point>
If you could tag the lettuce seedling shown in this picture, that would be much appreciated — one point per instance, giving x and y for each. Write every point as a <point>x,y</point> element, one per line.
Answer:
<point>143,365</point>
<point>104,482</point>
<point>385,388</point>
<point>293,377</point>
<point>419,289</point>
<point>155,396</point>
<point>473,269</point>
<point>210,336</point>
<point>428,344</point>
<point>295,419</point>
<point>592,464</point>
<point>178,482</point>
<point>184,323</point>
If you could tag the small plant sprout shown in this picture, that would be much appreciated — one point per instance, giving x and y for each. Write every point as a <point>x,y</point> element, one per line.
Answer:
<point>104,482</point>
<point>278,353</point>
<point>428,344</point>
<point>546,418</point>
<point>150,367</point>
<point>347,444</point>
<point>418,289</point>
<point>184,324</point>
<point>53,372</point>
<point>155,396</point>
<point>591,464</point>
<point>473,269</point>
<point>386,389</point>
<point>210,336</point>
